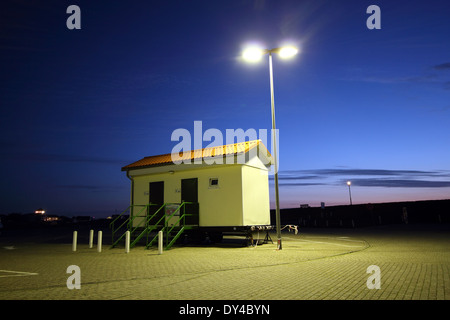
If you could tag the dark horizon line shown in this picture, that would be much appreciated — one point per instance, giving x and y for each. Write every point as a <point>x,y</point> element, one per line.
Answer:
<point>328,206</point>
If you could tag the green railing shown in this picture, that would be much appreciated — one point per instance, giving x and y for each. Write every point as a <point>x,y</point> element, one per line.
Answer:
<point>127,224</point>
<point>114,228</point>
<point>178,226</point>
<point>150,225</point>
<point>151,222</point>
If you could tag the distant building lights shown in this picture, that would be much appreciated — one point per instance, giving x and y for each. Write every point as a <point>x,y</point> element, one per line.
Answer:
<point>51,219</point>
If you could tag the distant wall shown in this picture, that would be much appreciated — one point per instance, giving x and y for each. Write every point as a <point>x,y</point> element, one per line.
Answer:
<point>363,215</point>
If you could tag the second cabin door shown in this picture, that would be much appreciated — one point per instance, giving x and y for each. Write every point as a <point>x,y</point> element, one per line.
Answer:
<point>189,193</point>
<point>189,190</point>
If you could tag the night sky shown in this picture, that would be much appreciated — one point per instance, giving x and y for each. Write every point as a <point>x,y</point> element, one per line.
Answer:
<point>367,105</point>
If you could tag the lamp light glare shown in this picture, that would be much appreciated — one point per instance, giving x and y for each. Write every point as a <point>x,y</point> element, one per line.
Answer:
<point>252,54</point>
<point>349,183</point>
<point>288,52</point>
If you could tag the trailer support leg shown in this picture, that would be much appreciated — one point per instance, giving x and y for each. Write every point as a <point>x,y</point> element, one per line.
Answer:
<point>267,238</point>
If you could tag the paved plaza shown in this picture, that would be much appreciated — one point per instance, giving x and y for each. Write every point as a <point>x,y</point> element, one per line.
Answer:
<point>413,262</point>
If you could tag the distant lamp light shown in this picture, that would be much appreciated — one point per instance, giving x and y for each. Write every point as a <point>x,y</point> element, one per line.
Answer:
<point>288,52</point>
<point>39,211</point>
<point>349,183</point>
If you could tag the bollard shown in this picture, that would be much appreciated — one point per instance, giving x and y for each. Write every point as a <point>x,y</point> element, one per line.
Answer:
<point>99,242</point>
<point>74,241</point>
<point>127,241</point>
<point>91,239</point>
<point>405,215</point>
<point>160,242</point>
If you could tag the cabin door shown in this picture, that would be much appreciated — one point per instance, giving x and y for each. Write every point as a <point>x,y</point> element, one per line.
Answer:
<point>189,193</point>
<point>156,197</point>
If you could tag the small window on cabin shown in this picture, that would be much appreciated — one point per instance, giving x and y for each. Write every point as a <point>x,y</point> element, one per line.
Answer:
<point>214,182</point>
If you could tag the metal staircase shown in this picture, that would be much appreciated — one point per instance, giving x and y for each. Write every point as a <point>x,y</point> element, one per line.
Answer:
<point>170,218</point>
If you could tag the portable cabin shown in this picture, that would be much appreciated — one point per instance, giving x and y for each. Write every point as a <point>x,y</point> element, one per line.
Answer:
<point>217,189</point>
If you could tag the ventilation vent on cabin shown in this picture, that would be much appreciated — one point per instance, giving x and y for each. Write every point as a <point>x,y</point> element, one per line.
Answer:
<point>213,183</point>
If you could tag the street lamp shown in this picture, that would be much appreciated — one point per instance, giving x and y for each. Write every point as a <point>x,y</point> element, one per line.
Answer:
<point>349,183</point>
<point>255,55</point>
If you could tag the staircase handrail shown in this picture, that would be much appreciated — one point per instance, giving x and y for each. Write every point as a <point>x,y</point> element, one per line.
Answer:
<point>165,227</point>
<point>128,222</point>
<point>111,224</point>
<point>148,227</point>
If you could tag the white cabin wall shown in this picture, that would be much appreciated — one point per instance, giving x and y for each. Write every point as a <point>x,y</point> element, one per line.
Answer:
<point>221,206</point>
<point>256,203</point>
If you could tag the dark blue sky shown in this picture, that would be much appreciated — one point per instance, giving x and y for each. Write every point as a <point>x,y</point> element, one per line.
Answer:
<point>371,106</point>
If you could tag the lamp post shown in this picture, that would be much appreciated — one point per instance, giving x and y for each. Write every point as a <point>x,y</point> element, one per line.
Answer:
<point>254,55</point>
<point>349,183</point>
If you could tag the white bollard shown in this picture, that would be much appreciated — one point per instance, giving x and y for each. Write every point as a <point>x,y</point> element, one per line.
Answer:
<point>127,241</point>
<point>160,242</point>
<point>74,241</point>
<point>91,239</point>
<point>99,241</point>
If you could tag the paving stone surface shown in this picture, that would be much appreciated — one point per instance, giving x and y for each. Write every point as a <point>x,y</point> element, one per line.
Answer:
<point>316,264</point>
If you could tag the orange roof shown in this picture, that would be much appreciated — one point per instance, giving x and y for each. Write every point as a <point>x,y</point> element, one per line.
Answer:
<point>225,150</point>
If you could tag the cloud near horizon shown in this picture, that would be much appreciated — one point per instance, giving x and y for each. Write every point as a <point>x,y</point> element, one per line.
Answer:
<point>400,183</point>
<point>93,188</point>
<point>366,178</point>
<point>54,157</point>
<point>435,75</point>
<point>442,66</point>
